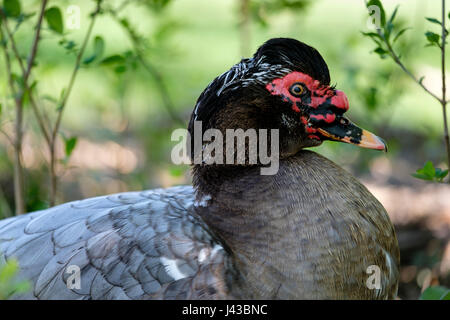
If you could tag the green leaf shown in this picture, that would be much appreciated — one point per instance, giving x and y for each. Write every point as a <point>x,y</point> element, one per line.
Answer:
<point>177,171</point>
<point>428,169</point>
<point>22,287</point>
<point>371,34</point>
<point>12,8</point>
<point>429,172</point>
<point>114,59</point>
<point>441,174</point>
<point>99,46</point>
<point>157,5</point>
<point>433,38</point>
<point>120,69</point>
<point>1,109</point>
<point>421,176</point>
<point>391,19</point>
<point>433,20</point>
<point>399,34</point>
<point>435,293</point>
<point>390,24</point>
<point>382,12</point>
<point>8,270</point>
<point>70,145</point>
<point>380,51</point>
<point>54,19</point>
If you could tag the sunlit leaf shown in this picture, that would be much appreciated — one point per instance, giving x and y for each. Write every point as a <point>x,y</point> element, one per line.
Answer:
<point>70,145</point>
<point>429,172</point>
<point>177,171</point>
<point>8,282</point>
<point>8,270</point>
<point>54,19</point>
<point>428,169</point>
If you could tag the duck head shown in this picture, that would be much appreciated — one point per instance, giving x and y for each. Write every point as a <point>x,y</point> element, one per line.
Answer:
<point>284,86</point>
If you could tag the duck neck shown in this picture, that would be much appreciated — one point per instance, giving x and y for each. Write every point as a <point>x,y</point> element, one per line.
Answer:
<point>254,216</point>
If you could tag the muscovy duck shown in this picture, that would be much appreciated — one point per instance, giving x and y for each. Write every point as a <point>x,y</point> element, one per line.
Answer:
<point>310,231</point>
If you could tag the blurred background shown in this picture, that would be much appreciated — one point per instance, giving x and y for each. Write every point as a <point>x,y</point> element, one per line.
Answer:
<point>147,62</point>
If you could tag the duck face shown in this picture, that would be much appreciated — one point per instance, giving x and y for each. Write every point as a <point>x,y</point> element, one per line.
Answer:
<point>284,86</point>
<point>320,109</point>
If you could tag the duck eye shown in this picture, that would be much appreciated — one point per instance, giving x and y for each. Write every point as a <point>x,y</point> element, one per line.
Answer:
<point>344,121</point>
<point>296,89</point>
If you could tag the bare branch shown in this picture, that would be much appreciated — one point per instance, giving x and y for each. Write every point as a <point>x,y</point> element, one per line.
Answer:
<point>397,60</point>
<point>61,107</point>
<point>75,70</point>
<point>444,89</point>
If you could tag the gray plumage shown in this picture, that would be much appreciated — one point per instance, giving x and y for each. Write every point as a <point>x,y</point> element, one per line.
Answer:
<point>134,245</point>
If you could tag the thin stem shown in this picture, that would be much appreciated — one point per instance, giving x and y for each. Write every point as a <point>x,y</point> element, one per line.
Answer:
<point>18,170</point>
<point>18,128</point>
<point>244,27</point>
<point>61,107</point>
<point>396,59</point>
<point>152,70</point>
<point>444,100</point>
<point>34,106</point>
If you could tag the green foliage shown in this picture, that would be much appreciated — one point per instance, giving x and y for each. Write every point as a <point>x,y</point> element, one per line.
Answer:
<point>9,285</point>
<point>54,19</point>
<point>433,39</point>
<point>12,8</point>
<point>99,47</point>
<point>429,172</point>
<point>157,5</point>
<point>69,145</point>
<point>435,293</point>
<point>113,60</point>
<point>69,45</point>
<point>384,38</point>
<point>261,9</point>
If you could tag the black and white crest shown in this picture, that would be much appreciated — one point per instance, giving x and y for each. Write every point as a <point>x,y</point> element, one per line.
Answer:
<point>243,74</point>
<point>275,58</point>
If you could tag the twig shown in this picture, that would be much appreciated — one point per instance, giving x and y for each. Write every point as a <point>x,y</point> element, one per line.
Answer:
<point>8,65</point>
<point>61,107</point>
<point>34,106</point>
<point>18,98</point>
<point>167,101</point>
<point>444,99</point>
<point>244,26</point>
<point>396,59</point>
